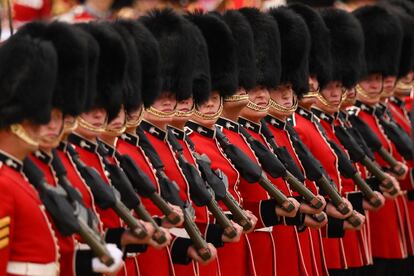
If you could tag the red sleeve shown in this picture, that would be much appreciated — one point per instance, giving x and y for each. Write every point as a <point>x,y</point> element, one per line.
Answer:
<point>6,225</point>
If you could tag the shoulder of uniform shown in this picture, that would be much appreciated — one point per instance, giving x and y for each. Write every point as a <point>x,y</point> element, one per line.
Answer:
<point>353,111</point>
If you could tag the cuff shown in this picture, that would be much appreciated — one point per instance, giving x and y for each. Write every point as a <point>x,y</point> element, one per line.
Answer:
<point>83,262</point>
<point>214,235</point>
<point>113,235</point>
<point>298,220</point>
<point>356,199</point>
<point>268,212</point>
<point>179,250</point>
<point>335,228</point>
<point>374,183</point>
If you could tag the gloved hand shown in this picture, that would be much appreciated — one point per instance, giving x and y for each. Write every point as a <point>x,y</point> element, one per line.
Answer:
<point>116,253</point>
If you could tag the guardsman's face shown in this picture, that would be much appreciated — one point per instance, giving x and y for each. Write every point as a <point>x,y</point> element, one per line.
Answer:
<point>313,83</point>
<point>119,121</point>
<point>283,95</point>
<point>96,117</point>
<point>259,96</point>
<point>183,111</point>
<point>332,93</point>
<point>350,98</point>
<point>134,115</point>
<point>237,105</point>
<point>388,86</point>
<point>50,133</point>
<point>373,86</point>
<point>166,102</point>
<point>185,105</point>
<point>212,105</point>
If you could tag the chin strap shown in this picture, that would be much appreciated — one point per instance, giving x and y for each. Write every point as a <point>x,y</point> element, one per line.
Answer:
<point>404,87</point>
<point>19,131</point>
<point>258,108</point>
<point>236,98</point>
<point>158,113</point>
<point>284,110</point>
<point>215,116</point>
<point>83,123</point>
<point>186,114</point>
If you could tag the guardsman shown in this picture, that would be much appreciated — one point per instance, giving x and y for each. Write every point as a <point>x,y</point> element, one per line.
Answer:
<point>28,245</point>
<point>283,105</point>
<point>175,38</point>
<point>138,99</point>
<point>216,71</point>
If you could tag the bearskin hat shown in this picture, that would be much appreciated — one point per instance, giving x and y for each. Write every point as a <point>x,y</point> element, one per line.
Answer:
<point>70,90</point>
<point>383,38</point>
<point>347,46</point>
<point>201,72</point>
<point>28,81</point>
<point>244,45</point>
<point>221,52</point>
<point>131,94</point>
<point>320,59</point>
<point>295,45</point>
<point>266,47</point>
<point>177,56</point>
<point>149,54</point>
<point>314,3</point>
<point>112,66</point>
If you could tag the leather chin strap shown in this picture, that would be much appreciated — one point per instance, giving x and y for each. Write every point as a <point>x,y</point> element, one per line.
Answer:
<point>19,131</point>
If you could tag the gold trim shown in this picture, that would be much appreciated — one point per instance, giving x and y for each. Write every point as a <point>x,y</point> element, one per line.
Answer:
<point>361,91</point>
<point>133,124</point>
<point>284,110</point>
<point>258,108</point>
<point>116,132</point>
<point>403,86</point>
<point>19,131</point>
<point>209,117</point>
<point>159,113</point>
<point>312,94</point>
<point>72,127</point>
<point>236,98</point>
<point>90,127</point>
<point>185,114</point>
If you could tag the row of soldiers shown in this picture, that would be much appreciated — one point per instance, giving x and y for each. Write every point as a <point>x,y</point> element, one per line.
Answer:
<point>243,143</point>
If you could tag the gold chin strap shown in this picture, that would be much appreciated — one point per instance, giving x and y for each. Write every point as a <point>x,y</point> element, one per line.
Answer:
<point>90,127</point>
<point>404,87</point>
<point>312,94</point>
<point>19,131</point>
<point>72,127</point>
<point>284,110</point>
<point>209,117</point>
<point>361,91</point>
<point>135,123</point>
<point>116,132</point>
<point>258,108</point>
<point>236,98</point>
<point>186,114</point>
<point>159,113</point>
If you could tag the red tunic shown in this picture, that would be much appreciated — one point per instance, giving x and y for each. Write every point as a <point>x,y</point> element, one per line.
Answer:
<point>128,144</point>
<point>316,143</point>
<point>390,233</point>
<point>158,138</point>
<point>310,239</point>
<point>235,258</point>
<point>83,13</point>
<point>285,237</point>
<point>30,237</point>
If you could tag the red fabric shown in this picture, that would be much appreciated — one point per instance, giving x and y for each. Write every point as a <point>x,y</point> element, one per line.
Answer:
<point>31,238</point>
<point>24,13</point>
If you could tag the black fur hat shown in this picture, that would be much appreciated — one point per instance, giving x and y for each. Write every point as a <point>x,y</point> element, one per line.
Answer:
<point>201,72</point>
<point>267,47</point>
<point>70,90</point>
<point>295,42</point>
<point>347,46</point>
<point>314,3</point>
<point>177,56</point>
<point>383,38</point>
<point>149,54</point>
<point>131,92</point>
<point>27,80</point>
<point>244,45</point>
<point>111,67</point>
<point>221,52</point>
<point>320,59</point>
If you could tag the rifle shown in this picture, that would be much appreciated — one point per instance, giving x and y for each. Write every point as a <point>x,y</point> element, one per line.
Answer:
<point>128,196</point>
<point>170,192</point>
<point>357,154</point>
<point>70,215</point>
<point>375,144</point>
<point>251,171</point>
<point>106,196</point>
<point>200,192</point>
<point>284,156</point>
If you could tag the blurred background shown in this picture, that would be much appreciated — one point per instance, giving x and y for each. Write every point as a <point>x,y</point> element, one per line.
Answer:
<point>22,11</point>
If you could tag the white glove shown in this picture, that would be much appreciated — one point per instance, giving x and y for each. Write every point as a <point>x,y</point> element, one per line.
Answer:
<point>116,254</point>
